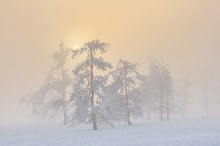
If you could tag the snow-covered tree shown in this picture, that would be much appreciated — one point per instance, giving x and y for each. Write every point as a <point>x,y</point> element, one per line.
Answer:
<point>126,100</point>
<point>50,99</point>
<point>161,83</point>
<point>205,90</point>
<point>145,90</point>
<point>183,94</point>
<point>87,95</point>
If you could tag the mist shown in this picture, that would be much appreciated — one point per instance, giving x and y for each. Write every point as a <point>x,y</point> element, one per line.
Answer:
<point>142,72</point>
<point>184,34</point>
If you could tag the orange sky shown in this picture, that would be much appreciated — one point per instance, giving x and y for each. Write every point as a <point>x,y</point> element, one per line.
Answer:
<point>184,33</point>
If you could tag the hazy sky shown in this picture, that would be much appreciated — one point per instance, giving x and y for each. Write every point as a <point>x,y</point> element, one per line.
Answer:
<point>185,33</point>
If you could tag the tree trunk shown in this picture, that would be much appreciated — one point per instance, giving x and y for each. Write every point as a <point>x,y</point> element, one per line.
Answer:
<point>183,113</point>
<point>206,105</point>
<point>64,114</point>
<point>128,112</point>
<point>65,121</point>
<point>168,109</point>
<point>93,115</point>
<point>126,94</point>
<point>206,93</point>
<point>184,107</point>
<point>148,114</point>
<point>161,104</point>
<point>128,118</point>
<point>94,123</point>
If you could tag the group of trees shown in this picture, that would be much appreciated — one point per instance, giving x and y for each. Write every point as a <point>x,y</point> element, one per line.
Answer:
<point>96,92</point>
<point>160,86</point>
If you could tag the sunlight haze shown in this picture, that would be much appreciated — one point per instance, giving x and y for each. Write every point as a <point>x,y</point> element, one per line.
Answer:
<point>185,34</point>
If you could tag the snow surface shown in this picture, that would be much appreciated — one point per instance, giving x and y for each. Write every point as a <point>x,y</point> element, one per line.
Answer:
<point>203,132</point>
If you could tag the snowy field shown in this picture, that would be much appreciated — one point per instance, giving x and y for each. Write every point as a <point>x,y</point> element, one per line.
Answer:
<point>203,132</point>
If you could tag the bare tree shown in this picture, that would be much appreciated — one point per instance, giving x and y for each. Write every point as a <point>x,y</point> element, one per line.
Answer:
<point>145,90</point>
<point>161,82</point>
<point>183,94</point>
<point>50,99</point>
<point>205,90</point>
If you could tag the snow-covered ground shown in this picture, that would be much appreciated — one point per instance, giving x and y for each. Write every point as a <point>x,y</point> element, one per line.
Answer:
<point>203,132</point>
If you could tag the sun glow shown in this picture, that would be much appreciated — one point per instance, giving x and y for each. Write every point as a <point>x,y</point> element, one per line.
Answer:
<point>75,47</point>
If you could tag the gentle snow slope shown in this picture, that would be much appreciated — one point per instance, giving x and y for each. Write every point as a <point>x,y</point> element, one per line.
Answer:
<point>179,133</point>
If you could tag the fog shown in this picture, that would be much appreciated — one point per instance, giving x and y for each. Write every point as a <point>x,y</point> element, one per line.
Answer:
<point>185,34</point>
